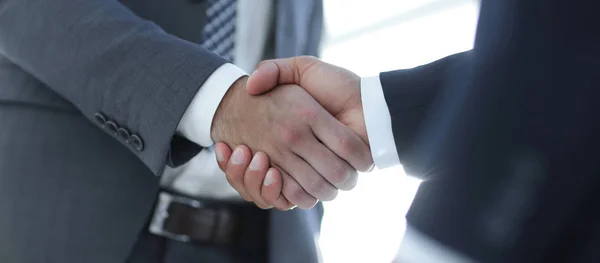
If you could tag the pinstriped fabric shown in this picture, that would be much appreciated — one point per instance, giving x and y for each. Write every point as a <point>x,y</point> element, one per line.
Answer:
<point>219,31</point>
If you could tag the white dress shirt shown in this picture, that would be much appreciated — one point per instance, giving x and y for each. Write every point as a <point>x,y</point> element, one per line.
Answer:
<point>415,247</point>
<point>201,176</point>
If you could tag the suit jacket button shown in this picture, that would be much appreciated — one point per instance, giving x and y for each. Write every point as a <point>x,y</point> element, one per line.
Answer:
<point>100,118</point>
<point>136,142</point>
<point>112,127</point>
<point>124,134</point>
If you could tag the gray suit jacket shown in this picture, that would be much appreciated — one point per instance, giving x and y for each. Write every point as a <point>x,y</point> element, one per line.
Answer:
<point>75,188</point>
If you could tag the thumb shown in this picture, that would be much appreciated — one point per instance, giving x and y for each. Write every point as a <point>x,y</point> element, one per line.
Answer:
<point>264,78</point>
<point>272,73</point>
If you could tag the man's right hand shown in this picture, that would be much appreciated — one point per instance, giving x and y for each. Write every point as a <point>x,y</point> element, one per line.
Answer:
<point>313,151</point>
<point>335,88</point>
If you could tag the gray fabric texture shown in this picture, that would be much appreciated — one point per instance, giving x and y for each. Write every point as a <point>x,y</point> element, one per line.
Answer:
<point>70,190</point>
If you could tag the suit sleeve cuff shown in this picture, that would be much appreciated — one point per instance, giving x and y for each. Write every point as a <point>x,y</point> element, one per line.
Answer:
<point>196,123</point>
<point>378,123</point>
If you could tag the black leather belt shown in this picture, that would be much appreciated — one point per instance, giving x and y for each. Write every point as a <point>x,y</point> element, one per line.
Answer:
<point>206,221</point>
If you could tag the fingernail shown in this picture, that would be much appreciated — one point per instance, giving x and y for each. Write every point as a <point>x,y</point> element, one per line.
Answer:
<point>220,156</point>
<point>269,179</point>
<point>269,66</point>
<point>371,168</point>
<point>253,72</point>
<point>237,157</point>
<point>255,164</point>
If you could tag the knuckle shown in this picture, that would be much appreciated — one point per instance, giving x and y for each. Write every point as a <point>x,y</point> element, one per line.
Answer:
<point>309,114</point>
<point>321,189</point>
<point>291,136</point>
<point>346,145</point>
<point>339,174</point>
<point>297,195</point>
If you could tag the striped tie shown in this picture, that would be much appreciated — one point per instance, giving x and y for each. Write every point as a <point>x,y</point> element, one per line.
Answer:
<point>219,31</point>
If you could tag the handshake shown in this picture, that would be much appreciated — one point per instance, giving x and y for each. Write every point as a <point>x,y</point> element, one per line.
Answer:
<point>292,133</point>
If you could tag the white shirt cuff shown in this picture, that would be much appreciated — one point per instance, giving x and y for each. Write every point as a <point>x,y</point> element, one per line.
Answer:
<point>197,120</point>
<point>379,123</point>
<point>418,248</point>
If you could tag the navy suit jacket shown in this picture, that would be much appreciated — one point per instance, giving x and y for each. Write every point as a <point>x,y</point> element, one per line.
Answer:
<point>505,135</point>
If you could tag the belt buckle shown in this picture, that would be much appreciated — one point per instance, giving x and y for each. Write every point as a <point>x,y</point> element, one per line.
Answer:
<point>161,214</point>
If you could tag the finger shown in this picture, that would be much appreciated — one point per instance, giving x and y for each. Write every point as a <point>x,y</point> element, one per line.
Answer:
<point>313,182</point>
<point>271,190</point>
<point>271,73</point>
<point>343,142</point>
<point>295,193</point>
<point>253,179</point>
<point>223,153</point>
<point>333,168</point>
<point>236,167</point>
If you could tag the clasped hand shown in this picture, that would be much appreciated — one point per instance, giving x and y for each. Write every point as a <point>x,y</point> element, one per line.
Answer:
<point>303,120</point>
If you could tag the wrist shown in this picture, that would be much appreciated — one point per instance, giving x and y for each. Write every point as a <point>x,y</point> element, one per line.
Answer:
<point>226,108</point>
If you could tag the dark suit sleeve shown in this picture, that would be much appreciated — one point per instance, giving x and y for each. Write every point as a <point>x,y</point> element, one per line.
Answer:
<point>104,59</point>
<point>410,95</point>
<point>515,143</point>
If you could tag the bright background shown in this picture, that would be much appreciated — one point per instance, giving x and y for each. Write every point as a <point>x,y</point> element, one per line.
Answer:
<point>368,37</point>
